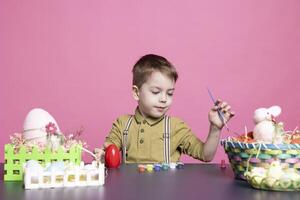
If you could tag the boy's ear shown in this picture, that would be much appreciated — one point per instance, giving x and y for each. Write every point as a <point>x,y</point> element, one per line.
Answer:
<point>135,92</point>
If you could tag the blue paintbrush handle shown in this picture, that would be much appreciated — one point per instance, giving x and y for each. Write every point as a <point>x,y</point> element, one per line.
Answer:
<point>219,111</point>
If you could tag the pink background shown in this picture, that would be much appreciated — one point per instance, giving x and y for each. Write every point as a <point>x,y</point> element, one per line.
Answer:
<point>74,59</point>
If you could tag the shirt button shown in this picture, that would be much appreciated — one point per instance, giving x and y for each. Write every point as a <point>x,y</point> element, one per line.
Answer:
<point>144,121</point>
<point>141,141</point>
<point>142,130</point>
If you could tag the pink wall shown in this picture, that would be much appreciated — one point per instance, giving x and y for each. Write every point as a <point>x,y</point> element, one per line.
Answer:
<point>74,59</point>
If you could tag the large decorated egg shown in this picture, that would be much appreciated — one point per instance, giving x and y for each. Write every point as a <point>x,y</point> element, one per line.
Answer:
<point>112,156</point>
<point>34,128</point>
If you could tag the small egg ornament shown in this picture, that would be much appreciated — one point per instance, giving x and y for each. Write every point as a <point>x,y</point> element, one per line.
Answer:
<point>179,165</point>
<point>223,164</point>
<point>112,156</point>
<point>173,165</point>
<point>157,167</point>
<point>165,166</point>
<point>142,168</point>
<point>149,168</point>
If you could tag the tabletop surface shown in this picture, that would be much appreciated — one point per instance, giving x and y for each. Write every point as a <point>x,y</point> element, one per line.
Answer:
<point>194,181</point>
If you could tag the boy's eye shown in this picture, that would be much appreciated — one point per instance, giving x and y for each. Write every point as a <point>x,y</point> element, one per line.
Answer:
<point>155,92</point>
<point>170,94</point>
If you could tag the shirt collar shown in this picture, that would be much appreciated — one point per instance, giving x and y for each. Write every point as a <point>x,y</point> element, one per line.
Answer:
<point>140,118</point>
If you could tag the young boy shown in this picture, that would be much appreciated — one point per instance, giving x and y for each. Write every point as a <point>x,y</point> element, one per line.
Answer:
<point>149,136</point>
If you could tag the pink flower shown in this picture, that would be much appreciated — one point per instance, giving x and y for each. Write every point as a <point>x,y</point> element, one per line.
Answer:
<point>51,128</point>
<point>41,145</point>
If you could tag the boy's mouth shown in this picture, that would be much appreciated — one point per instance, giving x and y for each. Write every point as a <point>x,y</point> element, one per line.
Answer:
<point>160,109</point>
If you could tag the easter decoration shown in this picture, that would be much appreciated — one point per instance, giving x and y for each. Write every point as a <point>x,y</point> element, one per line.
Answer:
<point>41,140</point>
<point>159,167</point>
<point>266,129</point>
<point>267,157</point>
<point>61,174</point>
<point>41,129</point>
<point>276,177</point>
<point>112,156</point>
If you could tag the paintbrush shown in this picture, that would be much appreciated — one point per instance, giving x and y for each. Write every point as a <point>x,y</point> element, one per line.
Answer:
<point>220,113</point>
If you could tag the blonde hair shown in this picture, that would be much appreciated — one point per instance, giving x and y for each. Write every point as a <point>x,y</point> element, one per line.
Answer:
<point>149,63</point>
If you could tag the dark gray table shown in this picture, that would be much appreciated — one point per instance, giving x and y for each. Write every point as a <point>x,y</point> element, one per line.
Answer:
<point>195,181</point>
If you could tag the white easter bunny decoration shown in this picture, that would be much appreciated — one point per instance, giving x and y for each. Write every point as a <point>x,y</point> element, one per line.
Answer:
<point>265,129</point>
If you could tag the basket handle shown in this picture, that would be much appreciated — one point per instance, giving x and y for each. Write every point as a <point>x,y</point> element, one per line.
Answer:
<point>89,152</point>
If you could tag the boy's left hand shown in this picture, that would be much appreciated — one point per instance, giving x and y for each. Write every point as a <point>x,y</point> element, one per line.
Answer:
<point>213,115</point>
<point>100,153</point>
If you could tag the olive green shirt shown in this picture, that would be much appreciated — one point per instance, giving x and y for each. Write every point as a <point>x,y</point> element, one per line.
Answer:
<point>145,142</point>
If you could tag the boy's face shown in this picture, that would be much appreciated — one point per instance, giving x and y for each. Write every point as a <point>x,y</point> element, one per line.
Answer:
<point>155,95</point>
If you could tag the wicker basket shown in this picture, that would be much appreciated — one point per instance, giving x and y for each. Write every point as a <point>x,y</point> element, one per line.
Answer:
<point>245,156</point>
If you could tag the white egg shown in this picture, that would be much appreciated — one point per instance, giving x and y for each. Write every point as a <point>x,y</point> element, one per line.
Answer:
<point>90,167</point>
<point>291,174</point>
<point>35,123</point>
<point>257,175</point>
<point>34,167</point>
<point>275,170</point>
<point>259,171</point>
<point>56,167</point>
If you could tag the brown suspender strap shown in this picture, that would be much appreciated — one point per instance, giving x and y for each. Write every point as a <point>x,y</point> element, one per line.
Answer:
<point>167,139</point>
<point>167,131</point>
<point>125,136</point>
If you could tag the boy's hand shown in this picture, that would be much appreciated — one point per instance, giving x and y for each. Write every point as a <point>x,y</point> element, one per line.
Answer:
<point>213,115</point>
<point>100,153</point>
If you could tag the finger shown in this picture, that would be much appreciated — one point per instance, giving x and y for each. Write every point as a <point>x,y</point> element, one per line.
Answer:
<point>226,108</point>
<point>223,105</point>
<point>232,114</point>
<point>219,101</point>
<point>229,115</point>
<point>97,150</point>
<point>106,145</point>
<point>215,108</point>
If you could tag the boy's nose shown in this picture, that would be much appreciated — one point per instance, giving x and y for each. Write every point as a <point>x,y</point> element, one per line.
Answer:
<point>163,98</point>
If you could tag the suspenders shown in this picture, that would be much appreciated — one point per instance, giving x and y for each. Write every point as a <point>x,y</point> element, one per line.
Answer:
<point>124,143</point>
<point>167,139</point>
<point>167,130</point>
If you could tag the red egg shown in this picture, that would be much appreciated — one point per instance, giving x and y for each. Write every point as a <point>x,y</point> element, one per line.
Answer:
<point>112,156</point>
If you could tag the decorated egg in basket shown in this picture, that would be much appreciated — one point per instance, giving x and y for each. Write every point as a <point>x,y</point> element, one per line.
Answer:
<point>35,123</point>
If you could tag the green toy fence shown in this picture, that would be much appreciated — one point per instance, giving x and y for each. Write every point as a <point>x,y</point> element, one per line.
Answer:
<point>13,166</point>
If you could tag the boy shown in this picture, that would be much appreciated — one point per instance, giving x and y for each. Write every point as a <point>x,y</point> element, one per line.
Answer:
<point>149,136</point>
